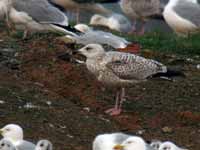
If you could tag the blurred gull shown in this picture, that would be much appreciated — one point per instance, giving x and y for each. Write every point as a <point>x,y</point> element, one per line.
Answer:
<point>133,143</point>
<point>14,134</point>
<point>72,5</point>
<point>170,146</point>
<point>183,16</point>
<point>44,145</point>
<point>155,144</point>
<point>142,10</point>
<point>37,15</point>
<point>108,141</point>
<point>6,145</point>
<point>118,69</point>
<point>116,22</point>
<point>96,36</point>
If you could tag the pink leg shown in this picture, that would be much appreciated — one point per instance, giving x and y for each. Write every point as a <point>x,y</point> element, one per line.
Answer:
<point>120,98</point>
<point>142,30</point>
<point>115,110</point>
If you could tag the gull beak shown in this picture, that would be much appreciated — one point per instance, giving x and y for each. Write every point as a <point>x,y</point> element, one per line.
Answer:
<point>118,147</point>
<point>1,131</point>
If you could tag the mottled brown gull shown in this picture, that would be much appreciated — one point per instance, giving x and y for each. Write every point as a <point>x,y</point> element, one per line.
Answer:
<point>183,16</point>
<point>118,69</point>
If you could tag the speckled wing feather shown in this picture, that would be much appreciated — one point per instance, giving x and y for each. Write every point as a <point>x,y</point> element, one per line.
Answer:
<point>128,66</point>
<point>41,11</point>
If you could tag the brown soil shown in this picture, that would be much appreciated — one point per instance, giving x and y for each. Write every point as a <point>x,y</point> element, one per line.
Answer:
<point>163,110</point>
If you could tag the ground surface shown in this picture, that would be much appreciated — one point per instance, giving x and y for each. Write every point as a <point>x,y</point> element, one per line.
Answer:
<point>62,102</point>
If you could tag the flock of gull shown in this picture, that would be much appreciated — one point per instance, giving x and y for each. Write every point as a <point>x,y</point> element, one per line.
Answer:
<point>13,139</point>
<point>112,68</point>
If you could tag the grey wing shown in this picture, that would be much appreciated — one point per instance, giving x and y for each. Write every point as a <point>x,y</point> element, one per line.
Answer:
<point>128,66</point>
<point>41,11</point>
<point>25,145</point>
<point>149,147</point>
<point>189,11</point>
<point>96,1</point>
<point>120,137</point>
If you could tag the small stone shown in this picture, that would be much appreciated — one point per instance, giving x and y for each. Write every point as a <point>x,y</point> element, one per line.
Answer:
<point>167,130</point>
<point>198,66</point>
<point>140,132</point>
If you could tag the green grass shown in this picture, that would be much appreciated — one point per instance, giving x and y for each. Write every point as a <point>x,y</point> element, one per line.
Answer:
<point>169,42</point>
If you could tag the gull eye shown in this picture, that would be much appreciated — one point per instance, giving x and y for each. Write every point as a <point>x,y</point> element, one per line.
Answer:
<point>129,142</point>
<point>2,144</point>
<point>41,145</point>
<point>88,48</point>
<point>7,129</point>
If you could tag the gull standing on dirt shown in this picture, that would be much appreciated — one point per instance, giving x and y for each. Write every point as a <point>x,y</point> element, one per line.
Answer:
<point>141,10</point>
<point>119,70</point>
<point>116,22</point>
<point>133,143</point>
<point>6,145</point>
<point>183,16</point>
<point>44,145</point>
<point>96,36</point>
<point>37,15</point>
<point>14,134</point>
<point>108,141</point>
<point>170,146</point>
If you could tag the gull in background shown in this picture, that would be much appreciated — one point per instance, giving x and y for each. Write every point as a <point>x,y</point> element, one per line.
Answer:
<point>170,146</point>
<point>14,134</point>
<point>6,145</point>
<point>96,36</point>
<point>37,15</point>
<point>114,21</point>
<point>183,16</point>
<point>44,145</point>
<point>119,70</point>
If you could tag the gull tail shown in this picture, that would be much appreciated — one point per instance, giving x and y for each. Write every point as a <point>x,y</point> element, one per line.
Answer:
<point>67,29</point>
<point>169,74</point>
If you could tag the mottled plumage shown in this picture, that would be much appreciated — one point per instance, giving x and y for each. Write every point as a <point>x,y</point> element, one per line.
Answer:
<point>6,145</point>
<point>119,69</point>
<point>170,146</point>
<point>44,145</point>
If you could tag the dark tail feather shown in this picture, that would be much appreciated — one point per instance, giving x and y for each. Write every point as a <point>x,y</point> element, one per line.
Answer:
<point>57,6</point>
<point>157,17</point>
<point>169,74</point>
<point>68,28</point>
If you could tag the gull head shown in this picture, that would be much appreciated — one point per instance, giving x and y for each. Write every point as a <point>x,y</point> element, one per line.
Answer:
<point>12,132</point>
<point>6,145</point>
<point>82,27</point>
<point>155,144</point>
<point>169,146</point>
<point>132,143</point>
<point>92,50</point>
<point>44,145</point>
<point>98,20</point>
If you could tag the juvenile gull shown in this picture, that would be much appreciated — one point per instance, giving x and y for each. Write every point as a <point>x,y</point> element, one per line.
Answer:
<point>140,9</point>
<point>6,145</point>
<point>118,69</point>
<point>133,143</point>
<point>170,146</point>
<point>44,145</point>
<point>108,141</point>
<point>116,22</point>
<point>96,36</point>
<point>183,16</point>
<point>14,134</point>
<point>36,15</point>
